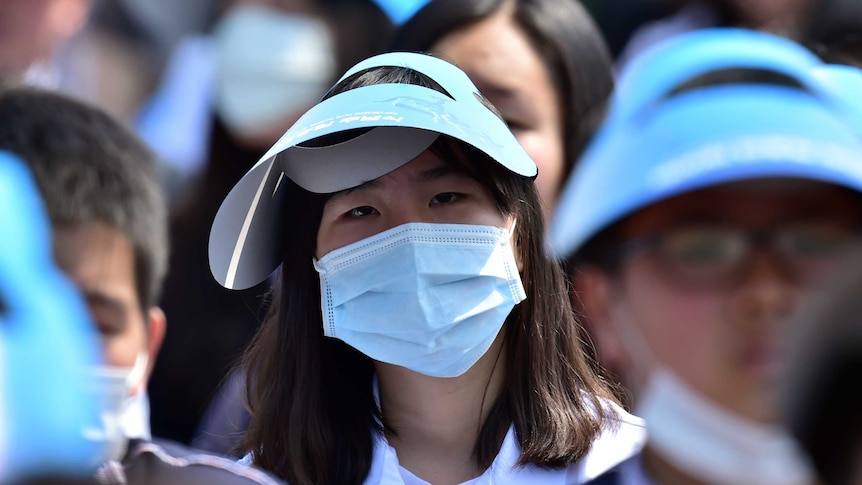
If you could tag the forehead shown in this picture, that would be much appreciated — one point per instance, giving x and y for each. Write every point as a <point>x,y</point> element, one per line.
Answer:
<point>428,166</point>
<point>496,54</point>
<point>99,259</point>
<point>753,203</point>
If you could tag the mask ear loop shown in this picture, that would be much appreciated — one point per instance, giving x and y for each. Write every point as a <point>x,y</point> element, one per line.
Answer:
<point>136,375</point>
<point>634,342</point>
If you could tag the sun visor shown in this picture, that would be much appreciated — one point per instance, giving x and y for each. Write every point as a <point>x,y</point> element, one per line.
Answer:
<point>349,139</point>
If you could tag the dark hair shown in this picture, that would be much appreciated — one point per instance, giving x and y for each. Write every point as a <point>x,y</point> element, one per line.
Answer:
<point>565,38</point>
<point>89,167</point>
<point>833,30</point>
<point>314,417</point>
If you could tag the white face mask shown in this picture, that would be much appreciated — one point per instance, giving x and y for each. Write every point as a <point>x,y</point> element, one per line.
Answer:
<point>703,439</point>
<point>115,386</point>
<point>428,297</point>
<point>270,65</point>
<point>713,444</point>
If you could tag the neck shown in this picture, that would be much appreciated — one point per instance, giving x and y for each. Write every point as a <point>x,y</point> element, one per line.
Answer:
<point>433,423</point>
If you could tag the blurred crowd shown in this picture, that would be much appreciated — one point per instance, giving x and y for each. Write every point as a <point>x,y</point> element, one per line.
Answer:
<point>699,178</point>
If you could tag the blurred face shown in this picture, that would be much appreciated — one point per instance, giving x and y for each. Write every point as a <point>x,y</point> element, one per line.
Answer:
<point>771,14</point>
<point>100,261</point>
<point>426,189</point>
<point>709,281</point>
<point>30,29</point>
<point>499,59</point>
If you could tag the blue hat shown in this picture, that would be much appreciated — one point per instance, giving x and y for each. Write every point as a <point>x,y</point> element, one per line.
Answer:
<point>668,64</point>
<point>657,144</point>
<point>396,122</point>
<point>845,83</point>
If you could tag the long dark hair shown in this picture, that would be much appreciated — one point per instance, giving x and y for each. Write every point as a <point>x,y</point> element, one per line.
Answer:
<point>314,417</point>
<point>563,34</point>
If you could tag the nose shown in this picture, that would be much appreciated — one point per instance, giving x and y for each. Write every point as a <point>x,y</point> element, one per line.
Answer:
<point>405,213</point>
<point>768,289</point>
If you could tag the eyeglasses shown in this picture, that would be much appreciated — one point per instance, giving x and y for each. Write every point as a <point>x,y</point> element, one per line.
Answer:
<point>718,256</point>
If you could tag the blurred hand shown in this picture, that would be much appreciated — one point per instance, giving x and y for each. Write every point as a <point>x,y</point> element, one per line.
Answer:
<point>46,343</point>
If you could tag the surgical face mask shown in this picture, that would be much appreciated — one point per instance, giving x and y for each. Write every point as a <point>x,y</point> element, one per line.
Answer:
<point>270,65</point>
<point>115,385</point>
<point>428,297</point>
<point>702,438</point>
<point>713,444</point>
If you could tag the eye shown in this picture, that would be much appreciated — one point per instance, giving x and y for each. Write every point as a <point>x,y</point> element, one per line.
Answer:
<point>816,240</point>
<point>108,329</point>
<point>702,246</point>
<point>446,198</point>
<point>362,211</point>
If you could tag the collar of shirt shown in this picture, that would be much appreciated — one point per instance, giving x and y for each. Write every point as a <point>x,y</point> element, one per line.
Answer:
<point>610,448</point>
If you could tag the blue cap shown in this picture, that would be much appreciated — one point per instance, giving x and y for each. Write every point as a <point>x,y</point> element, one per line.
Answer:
<point>656,145</point>
<point>668,64</point>
<point>845,83</point>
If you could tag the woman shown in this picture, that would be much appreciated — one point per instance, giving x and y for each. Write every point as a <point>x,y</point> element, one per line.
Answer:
<point>416,312</point>
<point>542,63</point>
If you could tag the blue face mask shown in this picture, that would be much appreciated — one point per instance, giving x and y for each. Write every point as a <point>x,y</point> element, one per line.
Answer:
<point>428,297</point>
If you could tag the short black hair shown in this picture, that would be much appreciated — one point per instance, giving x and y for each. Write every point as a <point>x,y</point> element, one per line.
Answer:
<point>91,167</point>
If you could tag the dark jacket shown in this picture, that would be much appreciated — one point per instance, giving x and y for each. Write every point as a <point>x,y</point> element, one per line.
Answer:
<point>168,463</point>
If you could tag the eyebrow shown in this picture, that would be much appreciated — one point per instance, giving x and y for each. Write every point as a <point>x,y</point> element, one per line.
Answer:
<point>438,173</point>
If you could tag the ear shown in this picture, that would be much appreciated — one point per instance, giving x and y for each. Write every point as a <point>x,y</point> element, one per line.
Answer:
<point>156,327</point>
<point>593,296</point>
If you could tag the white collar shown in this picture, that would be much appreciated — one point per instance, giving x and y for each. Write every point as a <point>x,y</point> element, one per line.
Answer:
<point>609,449</point>
<point>385,469</point>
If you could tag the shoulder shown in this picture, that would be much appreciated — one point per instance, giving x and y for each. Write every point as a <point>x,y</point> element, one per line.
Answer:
<point>622,438</point>
<point>167,462</point>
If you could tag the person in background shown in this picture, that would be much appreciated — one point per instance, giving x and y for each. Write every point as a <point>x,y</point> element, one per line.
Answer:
<point>542,63</point>
<point>720,195</point>
<point>420,333</point>
<point>31,32</point>
<point>272,61</point>
<point>781,17</point>
<point>109,225</point>
<point>834,30</point>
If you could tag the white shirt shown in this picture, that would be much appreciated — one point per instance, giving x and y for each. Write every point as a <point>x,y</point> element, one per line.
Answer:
<point>611,448</point>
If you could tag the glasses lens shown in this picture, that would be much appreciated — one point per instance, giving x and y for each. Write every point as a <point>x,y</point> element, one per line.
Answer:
<point>815,248</point>
<point>702,254</point>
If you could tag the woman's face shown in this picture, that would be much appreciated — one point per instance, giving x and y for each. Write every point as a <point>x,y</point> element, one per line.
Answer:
<point>499,59</point>
<point>426,189</point>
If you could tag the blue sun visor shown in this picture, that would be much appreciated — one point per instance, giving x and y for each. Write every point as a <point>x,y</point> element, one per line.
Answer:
<point>380,128</point>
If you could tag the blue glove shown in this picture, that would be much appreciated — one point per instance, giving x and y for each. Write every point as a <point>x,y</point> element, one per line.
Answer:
<point>46,343</point>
